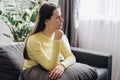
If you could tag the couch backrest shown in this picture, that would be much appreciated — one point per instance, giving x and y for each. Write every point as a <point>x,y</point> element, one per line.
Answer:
<point>11,61</point>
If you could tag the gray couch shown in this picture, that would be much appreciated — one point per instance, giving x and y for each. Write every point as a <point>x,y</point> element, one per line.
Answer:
<point>11,61</point>
<point>101,61</point>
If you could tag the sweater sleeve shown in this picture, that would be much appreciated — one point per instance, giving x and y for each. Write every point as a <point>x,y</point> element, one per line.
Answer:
<point>41,56</point>
<point>69,58</point>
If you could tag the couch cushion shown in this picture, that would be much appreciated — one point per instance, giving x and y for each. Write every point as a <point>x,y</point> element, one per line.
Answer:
<point>102,73</point>
<point>11,61</point>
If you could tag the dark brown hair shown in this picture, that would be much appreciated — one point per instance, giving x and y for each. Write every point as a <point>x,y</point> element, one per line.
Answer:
<point>45,12</point>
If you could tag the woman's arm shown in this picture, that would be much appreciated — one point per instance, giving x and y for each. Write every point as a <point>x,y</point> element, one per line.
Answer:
<point>35,47</point>
<point>69,58</point>
<point>37,52</point>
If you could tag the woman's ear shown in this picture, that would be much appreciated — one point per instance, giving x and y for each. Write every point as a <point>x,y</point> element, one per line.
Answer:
<point>46,21</point>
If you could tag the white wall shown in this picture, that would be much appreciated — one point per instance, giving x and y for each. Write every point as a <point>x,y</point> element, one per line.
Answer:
<point>53,1</point>
<point>4,29</point>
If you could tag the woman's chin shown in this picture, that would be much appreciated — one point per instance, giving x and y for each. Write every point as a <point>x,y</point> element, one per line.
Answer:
<point>60,27</point>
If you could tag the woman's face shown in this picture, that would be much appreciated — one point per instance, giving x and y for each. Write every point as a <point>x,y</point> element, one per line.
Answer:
<point>56,21</point>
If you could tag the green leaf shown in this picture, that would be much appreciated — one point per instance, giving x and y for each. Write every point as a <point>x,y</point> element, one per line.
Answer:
<point>13,23</point>
<point>25,16</point>
<point>34,16</point>
<point>16,24</point>
<point>11,19</point>
<point>20,21</point>
<point>6,35</point>
<point>0,12</point>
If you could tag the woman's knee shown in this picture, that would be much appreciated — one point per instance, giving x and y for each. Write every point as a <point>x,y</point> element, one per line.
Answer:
<point>80,71</point>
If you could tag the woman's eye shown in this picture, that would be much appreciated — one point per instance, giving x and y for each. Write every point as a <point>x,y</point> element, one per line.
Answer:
<point>58,17</point>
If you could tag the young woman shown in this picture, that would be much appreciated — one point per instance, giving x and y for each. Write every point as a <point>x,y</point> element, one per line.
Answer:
<point>45,45</point>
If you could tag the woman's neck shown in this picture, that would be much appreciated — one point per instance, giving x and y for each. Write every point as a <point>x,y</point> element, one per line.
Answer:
<point>48,32</point>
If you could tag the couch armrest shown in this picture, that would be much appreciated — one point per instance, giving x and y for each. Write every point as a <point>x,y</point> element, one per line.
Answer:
<point>94,58</point>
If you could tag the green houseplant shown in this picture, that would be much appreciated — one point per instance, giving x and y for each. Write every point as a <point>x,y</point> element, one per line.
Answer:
<point>20,23</point>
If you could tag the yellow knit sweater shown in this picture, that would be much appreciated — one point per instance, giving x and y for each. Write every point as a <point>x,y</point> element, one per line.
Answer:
<point>46,51</point>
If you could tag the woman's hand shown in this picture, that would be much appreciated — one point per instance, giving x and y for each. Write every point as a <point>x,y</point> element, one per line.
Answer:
<point>57,72</point>
<point>58,34</point>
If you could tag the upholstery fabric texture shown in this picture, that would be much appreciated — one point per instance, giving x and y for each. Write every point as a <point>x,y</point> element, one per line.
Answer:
<point>77,71</point>
<point>11,61</point>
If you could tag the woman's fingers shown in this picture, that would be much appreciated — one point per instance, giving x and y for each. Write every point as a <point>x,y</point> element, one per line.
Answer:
<point>52,73</point>
<point>58,34</point>
<point>55,73</point>
<point>59,74</point>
